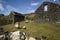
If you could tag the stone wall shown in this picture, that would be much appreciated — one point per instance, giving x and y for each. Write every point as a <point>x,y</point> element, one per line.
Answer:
<point>4,20</point>
<point>51,15</point>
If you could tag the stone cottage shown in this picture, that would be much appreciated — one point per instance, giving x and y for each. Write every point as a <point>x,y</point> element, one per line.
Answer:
<point>16,17</point>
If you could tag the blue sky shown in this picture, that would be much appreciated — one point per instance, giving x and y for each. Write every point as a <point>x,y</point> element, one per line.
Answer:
<point>21,6</point>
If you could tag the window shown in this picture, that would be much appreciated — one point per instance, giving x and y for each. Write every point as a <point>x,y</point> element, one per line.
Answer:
<point>46,8</point>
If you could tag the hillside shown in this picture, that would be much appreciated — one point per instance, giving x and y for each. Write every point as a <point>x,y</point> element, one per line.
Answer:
<point>29,16</point>
<point>51,31</point>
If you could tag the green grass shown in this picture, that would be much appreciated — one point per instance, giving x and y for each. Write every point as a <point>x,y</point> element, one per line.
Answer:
<point>51,31</point>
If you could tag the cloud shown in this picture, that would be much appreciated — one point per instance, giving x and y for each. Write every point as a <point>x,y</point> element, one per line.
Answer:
<point>29,8</point>
<point>2,1</point>
<point>54,0</point>
<point>30,11</point>
<point>34,3</point>
<point>1,7</point>
<point>11,8</point>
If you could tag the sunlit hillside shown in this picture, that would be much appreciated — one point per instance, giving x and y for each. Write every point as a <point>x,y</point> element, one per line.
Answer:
<point>51,31</point>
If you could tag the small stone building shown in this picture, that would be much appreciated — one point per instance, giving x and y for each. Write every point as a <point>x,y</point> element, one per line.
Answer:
<point>16,17</point>
<point>48,12</point>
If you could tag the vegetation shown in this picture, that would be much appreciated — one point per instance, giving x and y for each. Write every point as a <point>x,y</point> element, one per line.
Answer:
<point>30,16</point>
<point>51,31</point>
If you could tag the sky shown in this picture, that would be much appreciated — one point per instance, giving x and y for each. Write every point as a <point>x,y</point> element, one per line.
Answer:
<point>21,6</point>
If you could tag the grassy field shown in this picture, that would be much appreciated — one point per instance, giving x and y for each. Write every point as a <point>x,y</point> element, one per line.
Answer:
<point>51,31</point>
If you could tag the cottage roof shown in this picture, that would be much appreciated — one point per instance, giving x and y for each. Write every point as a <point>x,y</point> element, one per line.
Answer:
<point>15,13</point>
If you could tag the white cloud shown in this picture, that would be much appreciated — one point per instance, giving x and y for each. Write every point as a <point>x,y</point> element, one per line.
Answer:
<point>29,8</point>
<point>10,8</point>
<point>1,7</point>
<point>2,1</point>
<point>54,0</point>
<point>34,3</point>
<point>30,11</point>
